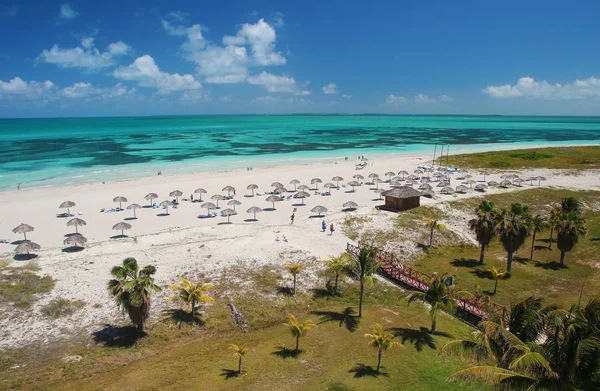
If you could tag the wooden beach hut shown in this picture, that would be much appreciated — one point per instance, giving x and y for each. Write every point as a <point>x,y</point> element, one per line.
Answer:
<point>401,198</point>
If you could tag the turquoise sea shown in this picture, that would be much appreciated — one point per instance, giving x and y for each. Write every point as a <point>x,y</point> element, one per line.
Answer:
<point>46,152</point>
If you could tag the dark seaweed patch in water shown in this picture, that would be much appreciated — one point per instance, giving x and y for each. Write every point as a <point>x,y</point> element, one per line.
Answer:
<point>112,159</point>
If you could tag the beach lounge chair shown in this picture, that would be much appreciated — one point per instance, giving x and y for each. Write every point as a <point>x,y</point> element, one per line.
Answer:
<point>4,241</point>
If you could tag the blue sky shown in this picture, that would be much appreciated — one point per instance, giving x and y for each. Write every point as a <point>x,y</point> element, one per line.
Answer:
<point>92,58</point>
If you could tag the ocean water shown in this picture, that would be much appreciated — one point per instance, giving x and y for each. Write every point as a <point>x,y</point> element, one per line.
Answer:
<point>46,152</point>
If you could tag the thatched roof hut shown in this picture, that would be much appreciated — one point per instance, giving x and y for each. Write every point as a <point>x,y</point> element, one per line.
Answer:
<point>401,198</point>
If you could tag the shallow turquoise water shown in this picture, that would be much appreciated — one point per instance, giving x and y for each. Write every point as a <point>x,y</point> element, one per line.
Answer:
<point>39,152</point>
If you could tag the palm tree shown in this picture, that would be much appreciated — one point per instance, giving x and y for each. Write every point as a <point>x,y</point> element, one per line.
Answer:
<point>513,226</point>
<point>381,341</point>
<point>567,205</point>
<point>131,288</point>
<point>440,295</point>
<point>362,267</point>
<point>294,269</point>
<point>239,352</point>
<point>484,226</point>
<point>538,224</point>
<point>298,329</point>
<point>569,228</point>
<point>497,274</point>
<point>336,266</point>
<point>192,294</point>
<point>433,225</point>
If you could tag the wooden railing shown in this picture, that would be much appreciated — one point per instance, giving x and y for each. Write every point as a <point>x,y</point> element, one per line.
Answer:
<point>398,271</point>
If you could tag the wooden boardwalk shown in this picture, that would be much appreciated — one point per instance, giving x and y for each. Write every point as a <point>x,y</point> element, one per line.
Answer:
<point>399,272</point>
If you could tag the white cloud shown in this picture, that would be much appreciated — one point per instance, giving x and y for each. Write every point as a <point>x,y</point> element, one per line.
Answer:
<point>179,16</point>
<point>222,65</point>
<point>67,12</point>
<point>277,19</point>
<point>330,88</point>
<point>528,87</point>
<point>445,98</point>
<point>274,83</point>
<point>195,96</point>
<point>422,98</point>
<point>347,96</point>
<point>302,93</point>
<point>19,88</point>
<point>86,56</point>
<point>145,71</point>
<point>261,39</point>
<point>225,98</point>
<point>395,99</point>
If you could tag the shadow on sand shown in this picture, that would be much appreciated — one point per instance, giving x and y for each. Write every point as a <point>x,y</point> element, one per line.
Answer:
<point>346,318</point>
<point>117,336</point>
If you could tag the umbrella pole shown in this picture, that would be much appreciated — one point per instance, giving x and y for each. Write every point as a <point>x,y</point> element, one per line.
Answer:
<point>134,213</point>
<point>25,234</point>
<point>254,215</point>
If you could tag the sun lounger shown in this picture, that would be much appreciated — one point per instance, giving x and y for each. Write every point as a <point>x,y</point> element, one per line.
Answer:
<point>4,241</point>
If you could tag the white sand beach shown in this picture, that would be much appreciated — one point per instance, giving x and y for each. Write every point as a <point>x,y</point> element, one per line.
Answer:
<point>181,242</point>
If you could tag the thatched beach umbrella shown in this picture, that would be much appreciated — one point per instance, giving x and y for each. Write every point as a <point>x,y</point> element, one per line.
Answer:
<point>75,240</point>
<point>353,184</point>
<point>303,187</point>
<point>302,195</point>
<point>492,183</point>
<point>234,203</point>
<point>26,247</point>
<point>429,193</point>
<point>280,190</point>
<point>23,229</point>
<point>390,174</point>
<point>252,187</point>
<point>228,189</point>
<point>176,194</point>
<point>373,176</point>
<point>316,181</point>
<point>471,182</point>
<point>228,212</point>
<point>394,183</point>
<point>358,177</point>
<point>134,207</point>
<point>505,183</point>
<point>425,186</point>
<point>273,199</point>
<point>208,206</point>
<point>166,204</point>
<point>443,184</point>
<point>319,210</point>
<point>540,179</point>
<point>120,200</point>
<point>277,184</point>
<point>397,179</point>
<point>379,191</point>
<point>461,189</point>
<point>484,173</point>
<point>350,205</point>
<point>151,197</point>
<point>403,173</point>
<point>377,181</point>
<point>76,222</point>
<point>447,190</point>
<point>122,226</point>
<point>329,185</point>
<point>530,180</point>
<point>254,210</point>
<point>200,191</point>
<point>217,197</point>
<point>294,182</point>
<point>412,177</point>
<point>67,205</point>
<point>337,180</point>
<point>418,171</point>
<point>481,187</point>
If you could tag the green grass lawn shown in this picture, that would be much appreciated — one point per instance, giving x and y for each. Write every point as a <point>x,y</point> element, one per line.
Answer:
<point>541,276</point>
<point>559,158</point>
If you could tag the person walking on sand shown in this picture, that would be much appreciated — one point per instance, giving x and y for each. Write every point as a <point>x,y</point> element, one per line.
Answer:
<point>324,226</point>
<point>292,218</point>
<point>331,229</point>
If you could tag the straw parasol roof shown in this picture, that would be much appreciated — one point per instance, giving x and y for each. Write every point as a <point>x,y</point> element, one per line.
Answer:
<point>492,183</point>
<point>302,195</point>
<point>67,205</point>
<point>481,187</point>
<point>234,203</point>
<point>443,184</point>
<point>418,171</point>
<point>403,173</point>
<point>425,186</point>
<point>461,189</point>
<point>228,212</point>
<point>329,185</point>
<point>316,181</point>
<point>277,184</point>
<point>397,179</point>
<point>390,174</point>
<point>319,210</point>
<point>373,175</point>
<point>254,210</point>
<point>217,197</point>
<point>209,206</point>
<point>412,176</point>
<point>134,207</point>
<point>350,205</point>
<point>429,193</point>
<point>396,184</point>
<point>75,240</point>
<point>401,192</point>
<point>120,199</point>
<point>505,183</point>
<point>294,182</point>
<point>166,204</point>
<point>150,197</point>
<point>23,229</point>
<point>280,190</point>
<point>379,191</point>
<point>200,191</point>
<point>353,184</point>
<point>273,199</point>
<point>358,176</point>
<point>540,179</point>
<point>122,226</point>
<point>26,247</point>
<point>252,187</point>
<point>447,190</point>
<point>228,189</point>
<point>337,180</point>
<point>76,222</point>
<point>176,194</point>
<point>303,187</point>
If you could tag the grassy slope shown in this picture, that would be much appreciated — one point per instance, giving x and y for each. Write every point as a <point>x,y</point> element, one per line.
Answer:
<point>540,277</point>
<point>558,158</point>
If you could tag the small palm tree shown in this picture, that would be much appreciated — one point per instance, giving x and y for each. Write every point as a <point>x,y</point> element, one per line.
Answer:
<point>567,205</point>
<point>433,225</point>
<point>362,267</point>
<point>570,227</point>
<point>239,352</point>
<point>294,269</point>
<point>336,266</point>
<point>298,329</point>
<point>497,274</point>
<point>513,226</point>
<point>381,341</point>
<point>538,224</point>
<point>192,294</point>
<point>484,226</point>
<point>131,288</point>
<point>440,295</point>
